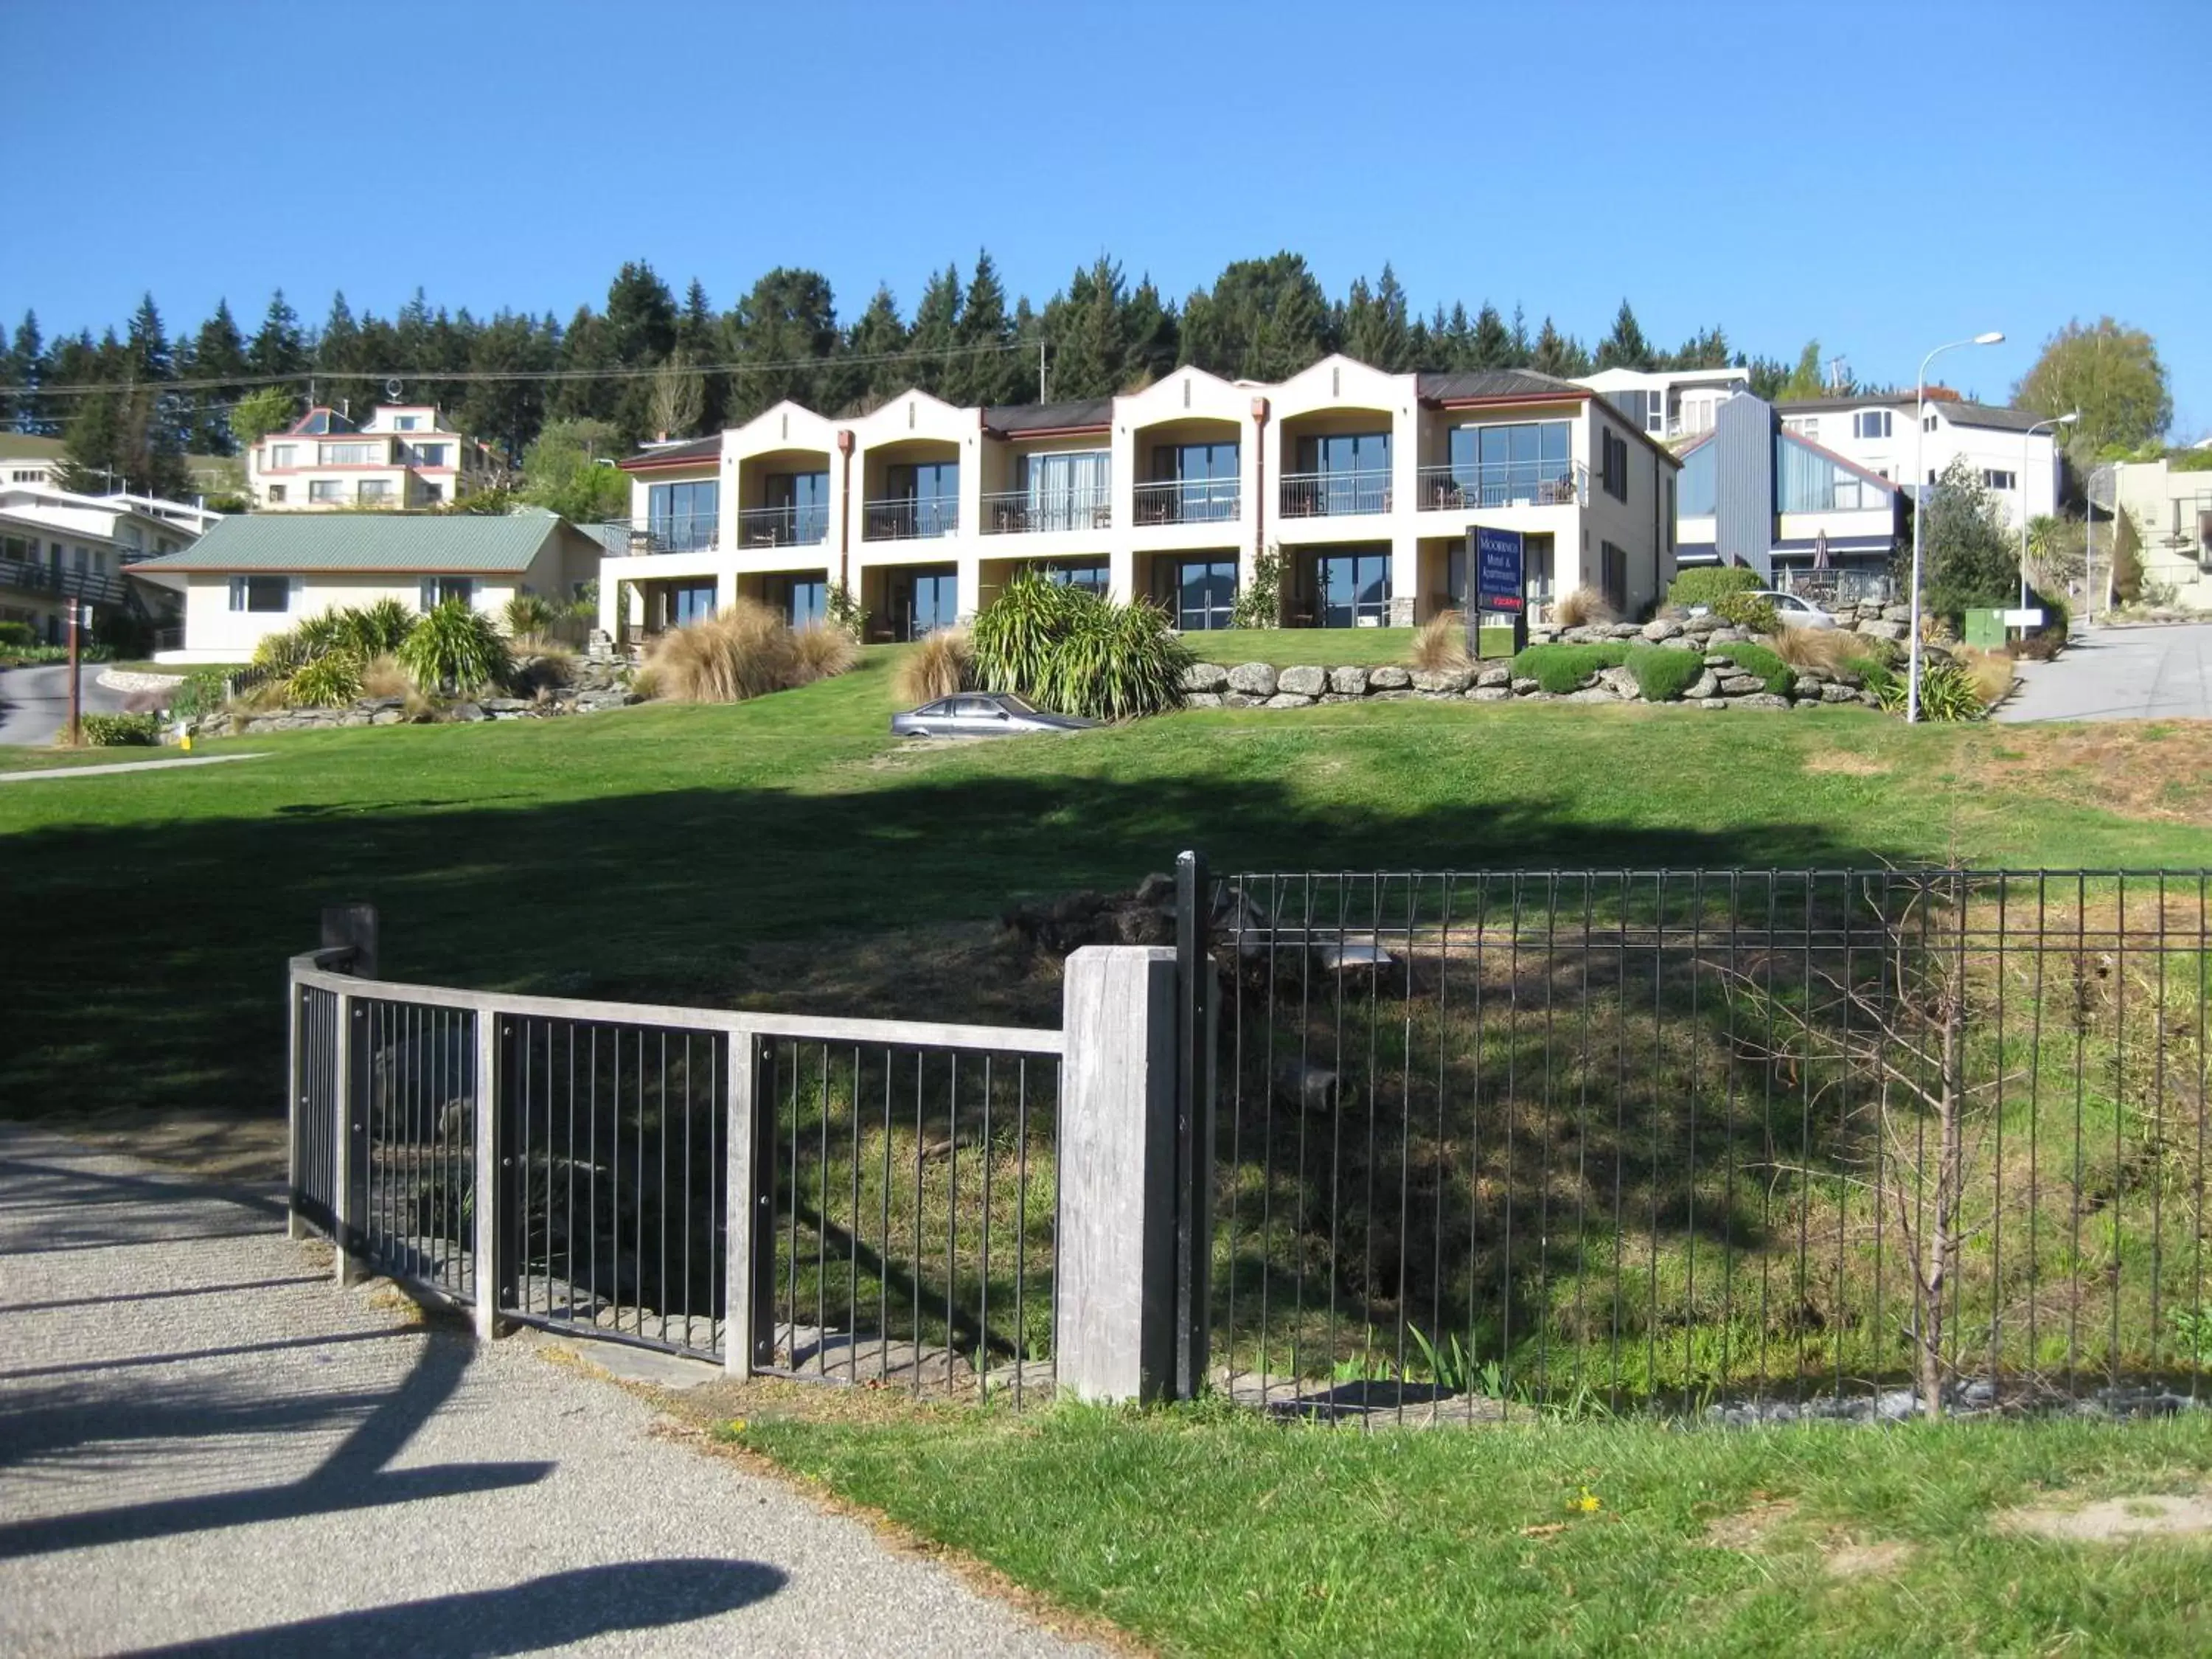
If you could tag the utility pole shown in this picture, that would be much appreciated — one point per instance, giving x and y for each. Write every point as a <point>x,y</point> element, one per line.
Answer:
<point>1041,396</point>
<point>76,693</point>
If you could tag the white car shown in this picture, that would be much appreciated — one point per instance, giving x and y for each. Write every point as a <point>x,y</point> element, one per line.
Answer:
<point>1794,612</point>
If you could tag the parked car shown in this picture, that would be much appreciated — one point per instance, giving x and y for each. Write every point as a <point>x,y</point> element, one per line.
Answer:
<point>981,714</point>
<point>1792,611</point>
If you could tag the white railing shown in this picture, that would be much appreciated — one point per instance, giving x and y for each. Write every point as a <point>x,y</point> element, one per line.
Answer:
<point>1331,495</point>
<point>1456,488</point>
<point>1188,501</point>
<point>1035,512</point>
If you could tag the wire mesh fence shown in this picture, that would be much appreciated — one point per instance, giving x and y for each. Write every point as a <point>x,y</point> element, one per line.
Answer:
<point>915,1191</point>
<point>1488,1140</point>
<point>415,1103</point>
<point>611,1140</point>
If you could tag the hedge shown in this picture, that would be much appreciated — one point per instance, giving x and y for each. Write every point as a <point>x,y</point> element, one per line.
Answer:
<point>1708,585</point>
<point>122,731</point>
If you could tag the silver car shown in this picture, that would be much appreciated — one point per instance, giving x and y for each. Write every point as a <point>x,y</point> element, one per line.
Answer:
<point>981,714</point>
<point>1792,611</point>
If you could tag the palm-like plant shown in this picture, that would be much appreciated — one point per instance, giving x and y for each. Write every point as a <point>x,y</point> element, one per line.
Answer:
<point>454,647</point>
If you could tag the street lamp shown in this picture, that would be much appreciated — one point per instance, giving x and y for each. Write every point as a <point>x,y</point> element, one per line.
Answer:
<point>1919,442</point>
<point>2067,419</point>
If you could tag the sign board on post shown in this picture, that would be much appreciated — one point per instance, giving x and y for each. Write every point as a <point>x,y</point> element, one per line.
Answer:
<point>1499,584</point>
<point>2031,618</point>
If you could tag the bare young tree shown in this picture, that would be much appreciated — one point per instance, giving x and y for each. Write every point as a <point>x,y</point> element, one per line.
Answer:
<point>679,397</point>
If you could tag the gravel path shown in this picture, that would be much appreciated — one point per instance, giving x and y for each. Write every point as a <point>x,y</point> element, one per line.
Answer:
<point>206,1448</point>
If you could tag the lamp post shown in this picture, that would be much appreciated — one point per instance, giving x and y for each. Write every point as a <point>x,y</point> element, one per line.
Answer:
<point>2067,419</point>
<point>1919,506</point>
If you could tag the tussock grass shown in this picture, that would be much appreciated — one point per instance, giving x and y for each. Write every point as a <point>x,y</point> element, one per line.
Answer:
<point>937,667</point>
<point>1990,673</point>
<point>1441,642</point>
<point>747,651</point>
<point>825,653</point>
<point>1581,606</point>
<point>1829,648</point>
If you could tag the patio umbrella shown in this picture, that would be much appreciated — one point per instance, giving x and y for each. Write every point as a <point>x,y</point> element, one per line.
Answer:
<point>1820,551</point>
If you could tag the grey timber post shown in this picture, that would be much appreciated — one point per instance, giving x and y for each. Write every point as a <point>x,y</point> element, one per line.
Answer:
<point>295,1225</point>
<point>491,1181</point>
<point>741,1208</point>
<point>343,1107</point>
<point>352,925</point>
<point>1114,1329</point>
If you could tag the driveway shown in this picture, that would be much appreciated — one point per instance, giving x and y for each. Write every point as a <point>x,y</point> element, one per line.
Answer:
<point>2152,673</point>
<point>205,1447</point>
<point>34,701</point>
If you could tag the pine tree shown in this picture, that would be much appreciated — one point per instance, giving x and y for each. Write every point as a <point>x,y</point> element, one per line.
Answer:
<point>877,343</point>
<point>1374,329</point>
<point>29,356</point>
<point>1150,332</point>
<point>698,338</point>
<point>1519,353</point>
<point>279,347</point>
<point>935,334</point>
<point>985,372</point>
<point>585,347</point>
<point>1558,354</point>
<point>219,355</point>
<point>1493,345</point>
<point>1625,347</point>
<point>788,317</point>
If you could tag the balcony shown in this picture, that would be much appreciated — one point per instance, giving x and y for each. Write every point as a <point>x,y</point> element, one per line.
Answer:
<point>1503,483</point>
<point>1038,512</point>
<point>640,538</point>
<point>1188,501</point>
<point>910,518</point>
<point>65,582</point>
<point>1335,495</point>
<point>783,526</point>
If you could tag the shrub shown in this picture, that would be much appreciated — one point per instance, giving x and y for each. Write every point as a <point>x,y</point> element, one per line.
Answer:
<point>122,731</point>
<point>1260,601</point>
<point>383,676</point>
<point>1581,606</point>
<point>1441,641</point>
<point>201,693</point>
<point>940,664</point>
<point>330,681</point>
<point>1018,636</point>
<point>1990,673</point>
<point>1562,668</point>
<point>825,653</point>
<point>374,630</point>
<point>1947,690</point>
<point>1663,673</point>
<point>1816,648</point>
<point>1708,585</point>
<point>1762,660</point>
<point>528,614</point>
<point>843,611</point>
<point>1742,610</point>
<point>16,635</point>
<point>746,651</point>
<point>454,647</point>
<point>1119,662</point>
<point>284,652</point>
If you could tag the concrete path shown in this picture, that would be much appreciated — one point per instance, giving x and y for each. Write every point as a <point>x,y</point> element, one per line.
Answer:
<point>126,766</point>
<point>2121,674</point>
<point>34,701</point>
<point>206,1448</point>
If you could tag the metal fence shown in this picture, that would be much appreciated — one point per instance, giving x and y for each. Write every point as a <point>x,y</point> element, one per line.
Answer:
<point>314,1114</point>
<point>1492,1139</point>
<point>412,1164</point>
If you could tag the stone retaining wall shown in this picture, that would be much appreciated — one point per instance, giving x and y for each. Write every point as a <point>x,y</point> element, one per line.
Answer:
<point>593,686</point>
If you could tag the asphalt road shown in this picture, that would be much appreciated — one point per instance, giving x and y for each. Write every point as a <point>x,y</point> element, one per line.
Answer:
<point>205,1447</point>
<point>34,701</point>
<point>2152,673</point>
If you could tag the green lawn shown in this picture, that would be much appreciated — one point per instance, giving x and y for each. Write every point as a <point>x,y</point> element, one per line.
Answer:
<point>645,853</point>
<point>1202,1533</point>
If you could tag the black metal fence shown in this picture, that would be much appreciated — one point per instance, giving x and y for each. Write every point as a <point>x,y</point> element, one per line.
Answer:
<point>914,1197</point>
<point>1488,1140</point>
<point>413,1168</point>
<point>314,1107</point>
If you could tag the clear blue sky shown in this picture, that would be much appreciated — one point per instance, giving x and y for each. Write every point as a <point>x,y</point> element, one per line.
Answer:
<point>1882,177</point>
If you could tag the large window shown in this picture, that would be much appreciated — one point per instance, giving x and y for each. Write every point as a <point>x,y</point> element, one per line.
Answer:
<point>443,590</point>
<point>1092,575</point>
<point>682,518</point>
<point>925,600</point>
<point>1072,491</point>
<point>352,454</point>
<point>374,491</point>
<point>1647,409</point>
<point>327,489</point>
<point>430,454</point>
<point>1807,481</point>
<point>924,500</point>
<point>1525,462</point>
<point>1341,473</point>
<point>261,593</point>
<point>1615,469</point>
<point>1191,483</point>
<point>1202,593</point>
<point>1869,423</point>
<point>1997,478</point>
<point>685,603</point>
<point>804,600</point>
<point>283,455</point>
<point>799,507</point>
<point>1353,589</point>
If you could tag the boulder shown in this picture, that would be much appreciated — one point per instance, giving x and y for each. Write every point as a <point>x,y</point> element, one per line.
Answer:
<point>1302,682</point>
<point>1497,674</point>
<point>1241,700</point>
<point>1527,685</point>
<point>1348,682</point>
<point>467,711</point>
<point>356,717</point>
<point>1388,679</point>
<point>1705,624</point>
<point>1719,659</point>
<point>1202,700</point>
<point>1289,700</point>
<point>1897,613</point>
<point>1661,628</point>
<point>1742,685</point>
<point>1887,629</point>
<point>1203,677</point>
<point>1342,697</point>
<point>1762,699</point>
<point>1707,685</point>
<point>1449,681</point>
<point>1253,679</point>
<point>1713,702</point>
<point>376,704</point>
<point>1833,692</point>
<point>1491,694</point>
<point>387,717</point>
<point>1396,694</point>
<point>1728,636</point>
<point>591,702</point>
<point>1590,693</point>
<point>1621,681</point>
<point>504,705</point>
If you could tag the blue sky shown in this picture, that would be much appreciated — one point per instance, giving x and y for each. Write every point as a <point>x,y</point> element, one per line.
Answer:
<point>1882,178</point>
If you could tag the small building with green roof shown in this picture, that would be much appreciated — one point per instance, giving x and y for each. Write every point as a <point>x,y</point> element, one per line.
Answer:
<point>260,574</point>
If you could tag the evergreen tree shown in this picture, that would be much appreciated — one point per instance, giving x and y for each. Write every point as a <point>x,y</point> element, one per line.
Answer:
<point>878,342</point>
<point>219,355</point>
<point>986,372</point>
<point>1263,319</point>
<point>507,414</point>
<point>29,355</point>
<point>586,346</point>
<point>279,347</point>
<point>935,335</point>
<point>1492,346</point>
<point>640,333</point>
<point>789,317</point>
<point>698,338</point>
<point>1149,331</point>
<point>1520,353</point>
<point>1084,321</point>
<point>1374,330</point>
<point>1625,347</point>
<point>1558,354</point>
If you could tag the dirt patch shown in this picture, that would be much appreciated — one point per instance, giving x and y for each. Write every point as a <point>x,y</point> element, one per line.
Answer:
<point>1845,1560</point>
<point>2160,771</point>
<point>2115,1520</point>
<point>1749,1530</point>
<point>222,1146</point>
<point>1847,764</point>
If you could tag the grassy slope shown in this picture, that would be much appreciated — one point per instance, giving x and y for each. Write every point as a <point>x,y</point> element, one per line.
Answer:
<point>641,853</point>
<point>1206,1535</point>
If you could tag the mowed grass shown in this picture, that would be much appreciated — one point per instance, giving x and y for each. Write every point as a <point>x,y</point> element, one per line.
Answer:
<point>645,853</point>
<point>1201,1531</point>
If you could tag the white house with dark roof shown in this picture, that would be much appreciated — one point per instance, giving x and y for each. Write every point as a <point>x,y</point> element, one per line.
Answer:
<point>1365,484</point>
<point>1876,433</point>
<point>57,547</point>
<point>261,573</point>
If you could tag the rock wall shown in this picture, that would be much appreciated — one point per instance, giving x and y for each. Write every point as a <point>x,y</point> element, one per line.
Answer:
<point>592,686</point>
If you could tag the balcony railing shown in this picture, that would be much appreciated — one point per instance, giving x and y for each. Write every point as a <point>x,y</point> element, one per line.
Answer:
<point>67,582</point>
<point>1031,512</point>
<point>910,518</point>
<point>1332,494</point>
<point>1188,501</point>
<point>639,538</point>
<point>783,526</point>
<point>1503,483</point>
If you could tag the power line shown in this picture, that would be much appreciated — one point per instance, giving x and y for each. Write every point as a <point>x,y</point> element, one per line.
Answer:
<point>96,388</point>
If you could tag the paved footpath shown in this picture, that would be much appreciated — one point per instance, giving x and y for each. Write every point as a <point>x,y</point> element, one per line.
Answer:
<point>2162,673</point>
<point>206,1448</point>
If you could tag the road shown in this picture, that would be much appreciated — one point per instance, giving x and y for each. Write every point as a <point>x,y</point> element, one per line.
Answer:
<point>34,701</point>
<point>209,1448</point>
<point>2154,673</point>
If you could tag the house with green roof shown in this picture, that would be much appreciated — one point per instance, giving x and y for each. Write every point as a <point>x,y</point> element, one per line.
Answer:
<point>259,573</point>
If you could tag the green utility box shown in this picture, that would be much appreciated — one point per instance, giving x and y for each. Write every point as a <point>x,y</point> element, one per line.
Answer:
<point>1985,629</point>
